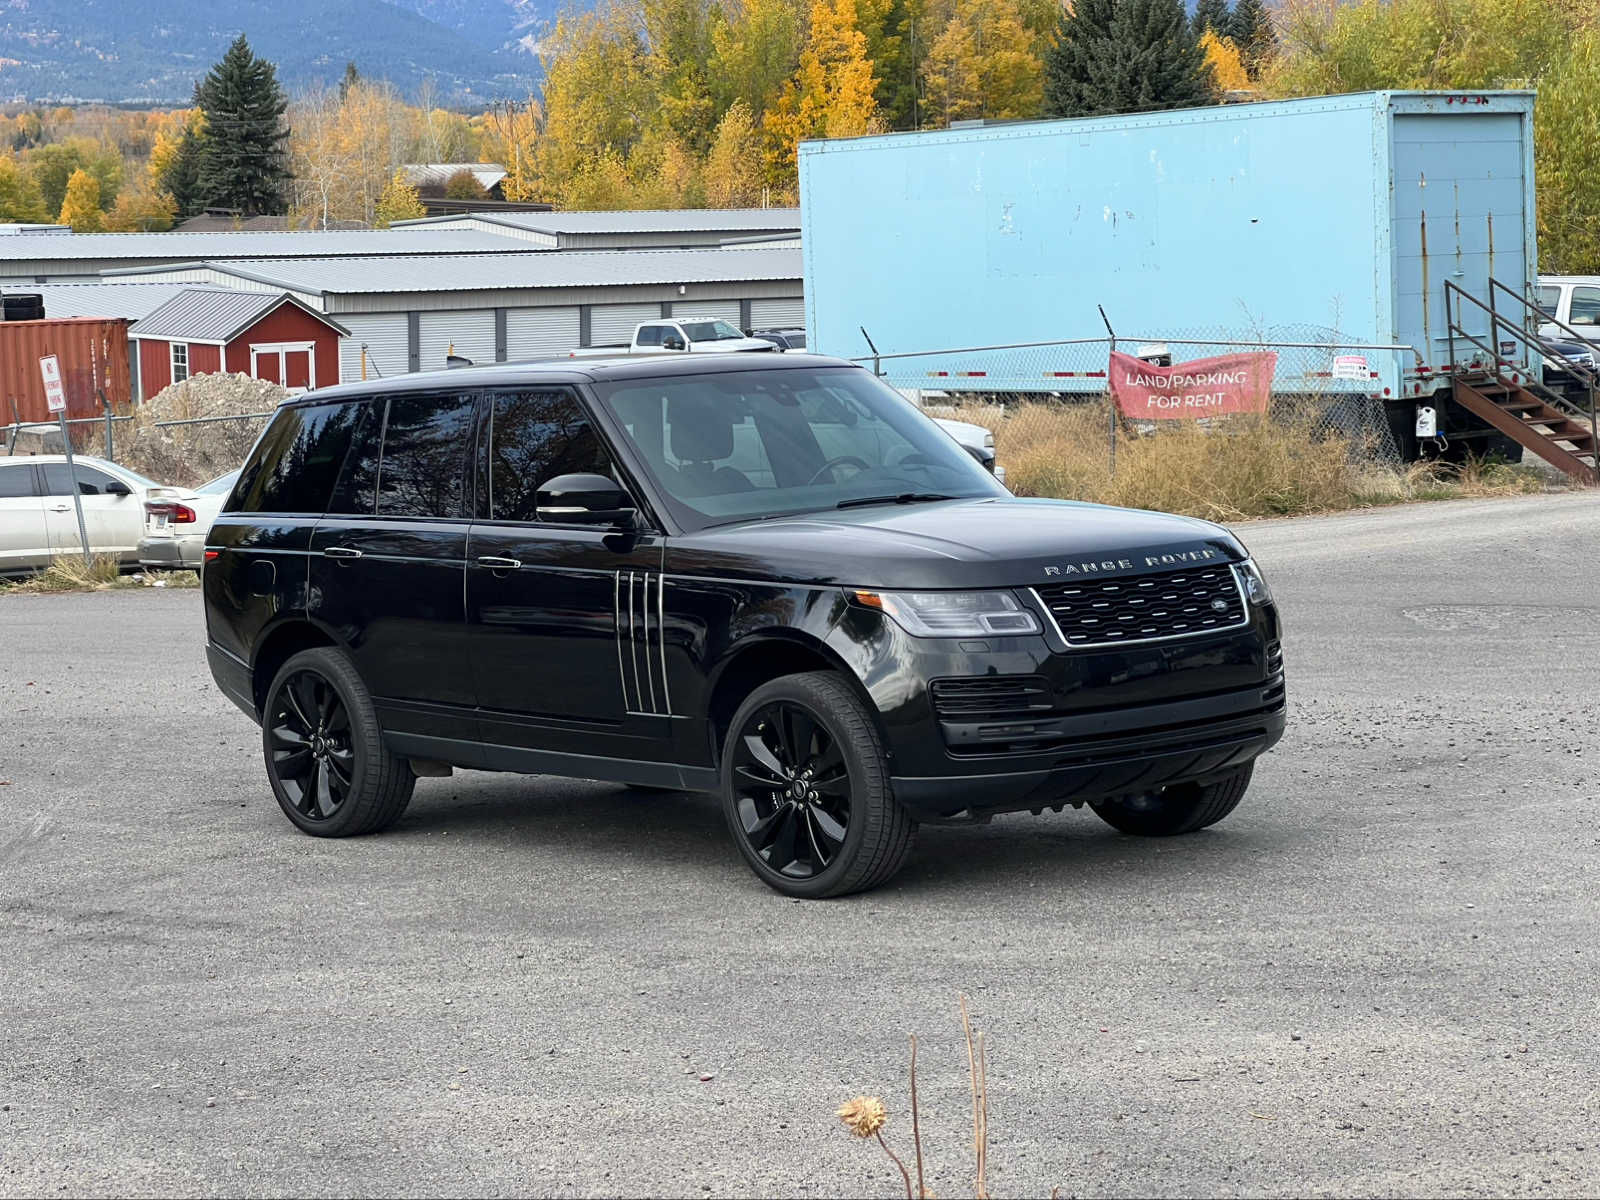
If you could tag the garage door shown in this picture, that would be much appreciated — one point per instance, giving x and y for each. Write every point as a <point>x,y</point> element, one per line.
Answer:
<point>707,310</point>
<point>469,333</point>
<point>778,314</point>
<point>613,323</point>
<point>386,340</point>
<point>534,331</point>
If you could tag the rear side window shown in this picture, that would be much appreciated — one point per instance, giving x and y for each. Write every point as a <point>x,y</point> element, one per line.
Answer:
<point>426,444</point>
<point>1548,298</point>
<point>1585,306</point>
<point>533,437</point>
<point>357,490</point>
<point>16,481</point>
<point>296,463</point>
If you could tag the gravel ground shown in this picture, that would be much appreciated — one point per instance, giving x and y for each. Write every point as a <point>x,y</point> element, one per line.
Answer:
<point>1377,977</point>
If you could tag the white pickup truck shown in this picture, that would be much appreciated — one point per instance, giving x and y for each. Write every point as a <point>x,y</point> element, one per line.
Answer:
<point>669,337</point>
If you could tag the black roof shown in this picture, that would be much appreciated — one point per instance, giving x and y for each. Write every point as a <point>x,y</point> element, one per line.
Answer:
<point>574,370</point>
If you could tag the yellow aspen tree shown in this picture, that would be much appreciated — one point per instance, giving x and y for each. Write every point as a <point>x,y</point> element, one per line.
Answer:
<point>1227,67</point>
<point>831,94</point>
<point>511,138</point>
<point>400,201</point>
<point>733,167</point>
<point>80,208</point>
<point>983,65</point>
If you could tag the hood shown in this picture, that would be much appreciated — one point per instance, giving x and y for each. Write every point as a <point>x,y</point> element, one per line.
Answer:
<point>733,345</point>
<point>988,542</point>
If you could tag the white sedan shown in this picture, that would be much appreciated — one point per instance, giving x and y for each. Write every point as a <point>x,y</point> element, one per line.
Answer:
<point>177,521</point>
<point>38,520</point>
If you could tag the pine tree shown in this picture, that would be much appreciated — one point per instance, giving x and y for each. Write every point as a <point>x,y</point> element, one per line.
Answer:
<point>351,78</point>
<point>400,202</point>
<point>81,206</point>
<point>1250,28</point>
<point>245,165</point>
<point>1114,56</point>
<point>181,179</point>
<point>1213,15</point>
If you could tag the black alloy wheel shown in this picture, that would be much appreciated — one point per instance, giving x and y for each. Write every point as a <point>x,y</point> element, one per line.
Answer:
<point>793,790</point>
<point>309,743</point>
<point>330,770</point>
<point>806,789</point>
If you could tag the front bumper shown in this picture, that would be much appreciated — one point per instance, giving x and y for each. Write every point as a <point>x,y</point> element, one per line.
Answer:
<point>1100,755</point>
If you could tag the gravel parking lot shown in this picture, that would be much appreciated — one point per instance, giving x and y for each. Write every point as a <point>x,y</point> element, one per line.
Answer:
<point>1377,977</point>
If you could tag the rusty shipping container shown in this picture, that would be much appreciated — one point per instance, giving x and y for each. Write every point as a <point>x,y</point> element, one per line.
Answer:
<point>93,353</point>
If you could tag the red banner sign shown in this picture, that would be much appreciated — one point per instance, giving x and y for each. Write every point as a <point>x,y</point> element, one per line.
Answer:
<point>1203,387</point>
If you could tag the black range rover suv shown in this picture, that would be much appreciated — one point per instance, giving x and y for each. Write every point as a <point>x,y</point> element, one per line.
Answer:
<point>765,577</point>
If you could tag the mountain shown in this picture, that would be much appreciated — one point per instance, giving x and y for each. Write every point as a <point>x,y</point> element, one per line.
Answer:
<point>121,52</point>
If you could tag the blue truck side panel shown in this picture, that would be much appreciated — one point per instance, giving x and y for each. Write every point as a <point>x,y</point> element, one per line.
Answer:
<point>1219,222</point>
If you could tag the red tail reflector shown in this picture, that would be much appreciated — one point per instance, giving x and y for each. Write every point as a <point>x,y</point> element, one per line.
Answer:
<point>210,554</point>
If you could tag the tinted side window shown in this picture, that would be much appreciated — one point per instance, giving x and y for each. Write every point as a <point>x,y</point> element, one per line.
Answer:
<point>357,489</point>
<point>57,481</point>
<point>426,440</point>
<point>295,464</point>
<point>533,437</point>
<point>16,481</point>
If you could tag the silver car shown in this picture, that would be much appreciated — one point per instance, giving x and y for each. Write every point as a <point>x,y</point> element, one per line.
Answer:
<point>38,520</point>
<point>177,521</point>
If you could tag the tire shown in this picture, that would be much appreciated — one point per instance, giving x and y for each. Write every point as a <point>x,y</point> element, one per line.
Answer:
<point>325,757</point>
<point>812,789</point>
<point>1182,808</point>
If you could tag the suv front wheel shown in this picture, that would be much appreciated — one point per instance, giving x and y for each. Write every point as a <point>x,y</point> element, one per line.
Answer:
<point>1182,808</point>
<point>806,791</point>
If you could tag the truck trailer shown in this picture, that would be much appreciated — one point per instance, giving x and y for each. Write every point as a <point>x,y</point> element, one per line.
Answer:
<point>1398,225</point>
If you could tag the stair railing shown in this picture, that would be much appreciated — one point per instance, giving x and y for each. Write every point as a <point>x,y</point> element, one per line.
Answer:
<point>1588,376</point>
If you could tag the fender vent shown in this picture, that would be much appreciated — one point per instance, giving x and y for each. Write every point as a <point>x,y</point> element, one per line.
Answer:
<point>991,697</point>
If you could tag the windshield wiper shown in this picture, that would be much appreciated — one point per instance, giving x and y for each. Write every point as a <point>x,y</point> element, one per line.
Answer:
<point>901,498</point>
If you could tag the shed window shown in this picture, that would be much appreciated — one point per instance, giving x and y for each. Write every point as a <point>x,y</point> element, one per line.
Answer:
<point>180,361</point>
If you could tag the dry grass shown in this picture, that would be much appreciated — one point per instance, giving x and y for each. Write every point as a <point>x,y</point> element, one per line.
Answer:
<point>1226,470</point>
<point>103,572</point>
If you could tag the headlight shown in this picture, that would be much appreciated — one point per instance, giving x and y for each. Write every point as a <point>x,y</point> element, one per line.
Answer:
<point>1255,586</point>
<point>988,440</point>
<point>953,614</point>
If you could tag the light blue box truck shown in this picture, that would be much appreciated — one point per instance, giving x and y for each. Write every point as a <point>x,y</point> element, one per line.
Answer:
<point>1352,215</point>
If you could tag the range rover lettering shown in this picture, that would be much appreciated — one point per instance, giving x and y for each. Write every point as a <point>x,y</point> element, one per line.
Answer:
<point>764,577</point>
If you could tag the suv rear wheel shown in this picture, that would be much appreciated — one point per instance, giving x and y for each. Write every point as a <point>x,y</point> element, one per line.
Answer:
<point>326,760</point>
<point>1182,808</point>
<point>806,791</point>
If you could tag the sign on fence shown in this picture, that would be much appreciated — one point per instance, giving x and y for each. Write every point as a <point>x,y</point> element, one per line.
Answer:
<point>1202,387</point>
<point>54,397</point>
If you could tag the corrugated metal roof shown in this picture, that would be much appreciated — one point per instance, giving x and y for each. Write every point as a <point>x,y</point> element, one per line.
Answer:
<point>439,174</point>
<point>487,272</point>
<point>694,220</point>
<point>214,314</point>
<point>127,301</point>
<point>301,243</point>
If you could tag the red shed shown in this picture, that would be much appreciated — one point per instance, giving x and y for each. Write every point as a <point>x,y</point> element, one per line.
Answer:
<point>266,335</point>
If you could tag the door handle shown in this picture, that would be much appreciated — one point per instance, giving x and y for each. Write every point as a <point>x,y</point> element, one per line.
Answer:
<point>498,564</point>
<point>340,552</point>
<point>61,508</point>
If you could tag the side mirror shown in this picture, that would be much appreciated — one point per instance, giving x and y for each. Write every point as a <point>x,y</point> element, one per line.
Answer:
<point>584,500</point>
<point>672,342</point>
<point>117,488</point>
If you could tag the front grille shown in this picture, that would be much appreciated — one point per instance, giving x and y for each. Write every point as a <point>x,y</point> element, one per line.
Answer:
<point>991,697</point>
<point>1140,608</point>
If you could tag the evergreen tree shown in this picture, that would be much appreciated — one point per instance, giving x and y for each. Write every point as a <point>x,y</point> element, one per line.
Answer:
<point>1213,15</point>
<point>181,179</point>
<point>1114,56</point>
<point>245,164</point>
<point>1250,27</point>
<point>351,78</point>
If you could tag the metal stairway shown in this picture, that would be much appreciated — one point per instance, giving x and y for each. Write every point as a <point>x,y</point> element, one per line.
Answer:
<point>1560,430</point>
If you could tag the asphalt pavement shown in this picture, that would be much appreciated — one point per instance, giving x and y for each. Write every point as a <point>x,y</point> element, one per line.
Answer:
<point>1379,976</point>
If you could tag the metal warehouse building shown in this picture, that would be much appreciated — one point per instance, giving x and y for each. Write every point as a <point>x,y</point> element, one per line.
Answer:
<point>407,312</point>
<point>659,230</point>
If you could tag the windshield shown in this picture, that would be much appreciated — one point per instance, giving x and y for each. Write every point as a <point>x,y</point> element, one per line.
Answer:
<point>710,331</point>
<point>220,486</point>
<point>746,445</point>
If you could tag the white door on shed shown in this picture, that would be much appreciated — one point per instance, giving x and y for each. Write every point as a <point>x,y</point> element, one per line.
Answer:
<point>469,333</point>
<point>387,342</point>
<point>613,323</point>
<point>707,310</point>
<point>778,314</point>
<point>534,331</point>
